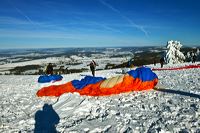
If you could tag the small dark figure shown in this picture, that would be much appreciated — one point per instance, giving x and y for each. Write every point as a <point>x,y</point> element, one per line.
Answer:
<point>194,57</point>
<point>130,63</point>
<point>46,120</point>
<point>93,65</point>
<point>162,62</point>
<point>67,70</point>
<point>49,69</point>
<point>154,62</point>
<point>61,70</point>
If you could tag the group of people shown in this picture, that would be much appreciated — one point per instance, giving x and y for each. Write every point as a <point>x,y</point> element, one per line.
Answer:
<point>93,64</point>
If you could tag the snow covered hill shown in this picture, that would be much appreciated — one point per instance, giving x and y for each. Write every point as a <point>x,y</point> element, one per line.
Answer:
<point>173,108</point>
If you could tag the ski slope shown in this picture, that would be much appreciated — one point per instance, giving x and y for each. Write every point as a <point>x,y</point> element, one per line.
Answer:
<point>173,108</point>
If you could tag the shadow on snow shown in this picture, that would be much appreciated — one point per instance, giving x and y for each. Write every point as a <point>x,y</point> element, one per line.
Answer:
<point>179,92</point>
<point>46,120</point>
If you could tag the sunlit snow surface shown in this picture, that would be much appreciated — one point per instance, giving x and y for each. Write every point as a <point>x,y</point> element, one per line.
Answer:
<point>176,109</point>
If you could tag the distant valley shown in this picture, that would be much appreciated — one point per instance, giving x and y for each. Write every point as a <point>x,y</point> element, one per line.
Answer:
<point>73,60</point>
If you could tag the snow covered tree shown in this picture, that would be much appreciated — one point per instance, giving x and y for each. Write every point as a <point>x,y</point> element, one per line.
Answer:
<point>188,56</point>
<point>173,54</point>
<point>198,52</point>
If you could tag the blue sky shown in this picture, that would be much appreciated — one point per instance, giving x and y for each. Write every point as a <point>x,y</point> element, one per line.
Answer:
<point>98,23</point>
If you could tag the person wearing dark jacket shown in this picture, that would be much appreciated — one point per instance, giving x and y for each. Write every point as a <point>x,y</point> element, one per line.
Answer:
<point>49,69</point>
<point>194,58</point>
<point>93,65</point>
<point>154,62</point>
<point>162,62</point>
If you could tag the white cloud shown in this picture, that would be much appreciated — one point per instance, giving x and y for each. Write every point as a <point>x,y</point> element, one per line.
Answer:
<point>141,28</point>
<point>12,20</point>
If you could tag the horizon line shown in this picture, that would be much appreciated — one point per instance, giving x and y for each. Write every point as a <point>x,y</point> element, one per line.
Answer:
<point>95,47</point>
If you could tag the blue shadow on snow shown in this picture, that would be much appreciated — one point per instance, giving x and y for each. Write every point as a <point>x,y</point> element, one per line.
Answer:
<point>46,120</point>
<point>179,92</point>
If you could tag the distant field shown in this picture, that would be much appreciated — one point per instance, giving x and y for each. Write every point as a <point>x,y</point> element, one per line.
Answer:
<point>75,60</point>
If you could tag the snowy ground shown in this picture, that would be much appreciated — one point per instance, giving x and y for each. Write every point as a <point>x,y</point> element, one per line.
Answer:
<point>172,109</point>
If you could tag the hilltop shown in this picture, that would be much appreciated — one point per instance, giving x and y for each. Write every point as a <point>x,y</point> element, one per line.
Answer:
<point>175,108</point>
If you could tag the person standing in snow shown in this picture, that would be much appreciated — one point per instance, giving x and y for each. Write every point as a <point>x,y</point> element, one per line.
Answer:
<point>49,69</point>
<point>162,61</point>
<point>130,63</point>
<point>154,61</point>
<point>93,65</point>
<point>194,57</point>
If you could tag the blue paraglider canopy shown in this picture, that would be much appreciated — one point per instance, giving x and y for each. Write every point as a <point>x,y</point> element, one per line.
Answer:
<point>80,84</point>
<point>49,78</point>
<point>143,73</point>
